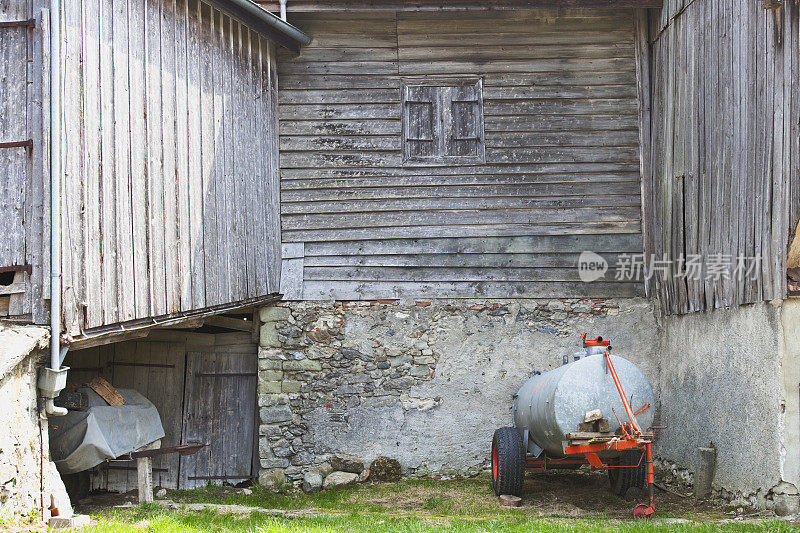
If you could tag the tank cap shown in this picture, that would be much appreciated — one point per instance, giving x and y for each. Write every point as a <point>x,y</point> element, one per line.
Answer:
<point>594,342</point>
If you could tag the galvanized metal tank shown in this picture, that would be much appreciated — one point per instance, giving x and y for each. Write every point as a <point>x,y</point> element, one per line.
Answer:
<point>551,404</point>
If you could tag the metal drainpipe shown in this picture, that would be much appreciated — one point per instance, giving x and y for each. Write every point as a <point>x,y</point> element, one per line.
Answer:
<point>55,198</point>
<point>283,9</point>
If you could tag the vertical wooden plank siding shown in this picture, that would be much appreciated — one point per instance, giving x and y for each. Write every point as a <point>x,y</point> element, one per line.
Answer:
<point>272,152</point>
<point>725,174</point>
<point>167,193</point>
<point>562,169</point>
<point>23,192</point>
<point>14,162</point>
<point>38,188</point>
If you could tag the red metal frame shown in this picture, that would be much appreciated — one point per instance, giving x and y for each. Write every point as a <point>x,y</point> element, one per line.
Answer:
<point>598,341</point>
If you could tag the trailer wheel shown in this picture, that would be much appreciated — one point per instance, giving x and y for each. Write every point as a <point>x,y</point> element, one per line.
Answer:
<point>634,476</point>
<point>508,462</point>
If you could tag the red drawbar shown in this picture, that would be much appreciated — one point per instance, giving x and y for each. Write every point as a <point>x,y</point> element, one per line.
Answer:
<point>599,341</point>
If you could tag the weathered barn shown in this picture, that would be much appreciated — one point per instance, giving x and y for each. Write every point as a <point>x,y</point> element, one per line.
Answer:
<point>444,165</point>
<point>164,147</point>
<point>425,184</point>
<point>169,161</point>
<point>459,153</point>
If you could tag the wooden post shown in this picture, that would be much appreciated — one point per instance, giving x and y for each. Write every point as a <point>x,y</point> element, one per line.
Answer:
<point>144,472</point>
<point>642,52</point>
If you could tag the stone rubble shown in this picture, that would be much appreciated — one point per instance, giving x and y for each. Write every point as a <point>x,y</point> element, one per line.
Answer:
<point>347,463</point>
<point>312,481</point>
<point>339,479</point>
<point>783,499</point>
<point>385,469</point>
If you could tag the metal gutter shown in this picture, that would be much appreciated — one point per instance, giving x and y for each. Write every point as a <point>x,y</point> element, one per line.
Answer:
<point>275,23</point>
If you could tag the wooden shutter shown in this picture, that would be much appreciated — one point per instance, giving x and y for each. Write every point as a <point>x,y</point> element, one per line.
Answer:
<point>463,121</point>
<point>420,113</point>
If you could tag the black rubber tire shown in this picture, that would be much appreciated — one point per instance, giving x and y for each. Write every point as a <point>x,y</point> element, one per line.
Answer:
<point>508,462</point>
<point>623,479</point>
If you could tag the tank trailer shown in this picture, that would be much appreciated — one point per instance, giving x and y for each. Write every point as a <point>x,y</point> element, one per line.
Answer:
<point>561,420</point>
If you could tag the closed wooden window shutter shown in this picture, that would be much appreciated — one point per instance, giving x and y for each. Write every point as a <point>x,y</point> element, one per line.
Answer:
<point>420,129</point>
<point>463,122</point>
<point>443,124</point>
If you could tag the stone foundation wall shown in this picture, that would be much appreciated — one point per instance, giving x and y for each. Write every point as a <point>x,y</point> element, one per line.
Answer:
<point>424,382</point>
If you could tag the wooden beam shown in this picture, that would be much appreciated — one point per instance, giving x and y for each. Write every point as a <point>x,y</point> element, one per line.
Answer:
<point>230,323</point>
<point>14,288</point>
<point>144,473</point>
<point>110,338</point>
<point>643,88</point>
<point>298,6</point>
<point>195,341</point>
<point>189,324</point>
<point>141,327</point>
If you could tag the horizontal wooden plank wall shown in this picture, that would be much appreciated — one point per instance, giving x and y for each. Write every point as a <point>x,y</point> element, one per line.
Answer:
<point>562,161</point>
<point>171,189</point>
<point>725,133</point>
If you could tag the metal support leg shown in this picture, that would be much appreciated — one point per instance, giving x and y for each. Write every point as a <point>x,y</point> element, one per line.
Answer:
<point>643,510</point>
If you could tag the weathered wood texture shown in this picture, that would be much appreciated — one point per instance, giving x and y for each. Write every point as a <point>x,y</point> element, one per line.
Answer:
<point>220,410</point>
<point>170,182</point>
<point>23,188</point>
<point>157,367</point>
<point>170,192</point>
<point>561,147</point>
<point>725,155</point>
<point>451,5</point>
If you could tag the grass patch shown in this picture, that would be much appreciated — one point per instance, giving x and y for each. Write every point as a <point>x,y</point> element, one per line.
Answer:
<point>152,519</point>
<point>568,502</point>
<point>463,497</point>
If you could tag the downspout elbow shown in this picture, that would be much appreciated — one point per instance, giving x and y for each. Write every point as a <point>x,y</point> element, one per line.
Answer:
<point>52,409</point>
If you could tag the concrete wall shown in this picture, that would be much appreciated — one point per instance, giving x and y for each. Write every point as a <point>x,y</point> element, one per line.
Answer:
<point>426,383</point>
<point>730,377</point>
<point>27,477</point>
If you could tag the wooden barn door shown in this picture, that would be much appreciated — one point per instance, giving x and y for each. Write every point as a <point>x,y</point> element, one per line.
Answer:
<point>219,409</point>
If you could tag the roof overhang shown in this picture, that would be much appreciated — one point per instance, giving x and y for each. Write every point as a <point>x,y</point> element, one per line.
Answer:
<point>296,6</point>
<point>265,22</point>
